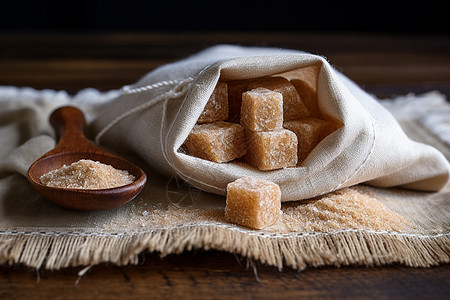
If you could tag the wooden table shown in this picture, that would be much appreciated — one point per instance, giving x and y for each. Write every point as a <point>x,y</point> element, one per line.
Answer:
<point>383,64</point>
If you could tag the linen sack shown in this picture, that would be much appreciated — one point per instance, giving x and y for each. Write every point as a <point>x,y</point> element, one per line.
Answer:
<point>154,116</point>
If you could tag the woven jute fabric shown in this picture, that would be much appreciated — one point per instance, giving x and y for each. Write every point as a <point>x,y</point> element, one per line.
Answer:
<point>398,170</point>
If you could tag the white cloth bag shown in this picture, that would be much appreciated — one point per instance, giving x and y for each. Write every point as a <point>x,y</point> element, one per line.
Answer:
<point>153,118</point>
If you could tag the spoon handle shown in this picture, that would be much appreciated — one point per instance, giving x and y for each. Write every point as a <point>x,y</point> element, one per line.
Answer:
<point>67,119</point>
<point>68,123</point>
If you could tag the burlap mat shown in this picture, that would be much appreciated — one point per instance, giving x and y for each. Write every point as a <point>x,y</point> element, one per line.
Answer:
<point>360,225</point>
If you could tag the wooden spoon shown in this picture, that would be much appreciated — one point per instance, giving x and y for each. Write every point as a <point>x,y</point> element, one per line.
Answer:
<point>73,146</point>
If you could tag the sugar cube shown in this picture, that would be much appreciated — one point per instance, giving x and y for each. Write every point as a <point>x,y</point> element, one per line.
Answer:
<point>262,110</point>
<point>270,150</point>
<point>293,106</point>
<point>216,109</point>
<point>235,90</point>
<point>309,131</point>
<point>308,95</point>
<point>217,141</point>
<point>252,202</point>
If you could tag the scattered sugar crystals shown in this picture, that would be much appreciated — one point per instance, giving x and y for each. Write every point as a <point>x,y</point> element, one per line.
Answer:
<point>344,209</point>
<point>142,215</point>
<point>86,174</point>
<point>349,208</point>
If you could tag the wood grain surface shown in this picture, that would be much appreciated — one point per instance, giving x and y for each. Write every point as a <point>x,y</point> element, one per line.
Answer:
<point>383,64</point>
<point>219,275</point>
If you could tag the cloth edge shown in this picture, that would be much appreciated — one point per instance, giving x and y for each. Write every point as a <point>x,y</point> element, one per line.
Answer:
<point>342,248</point>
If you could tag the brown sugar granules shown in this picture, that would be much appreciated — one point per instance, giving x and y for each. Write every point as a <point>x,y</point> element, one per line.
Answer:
<point>343,209</point>
<point>86,174</point>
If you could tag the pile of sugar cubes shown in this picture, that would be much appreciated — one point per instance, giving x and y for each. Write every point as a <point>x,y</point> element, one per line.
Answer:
<point>272,122</point>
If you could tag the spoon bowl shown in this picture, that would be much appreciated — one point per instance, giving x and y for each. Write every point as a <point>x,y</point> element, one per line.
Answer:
<point>73,146</point>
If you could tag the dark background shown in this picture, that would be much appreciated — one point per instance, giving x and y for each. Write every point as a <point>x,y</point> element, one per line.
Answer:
<point>385,46</point>
<point>405,17</point>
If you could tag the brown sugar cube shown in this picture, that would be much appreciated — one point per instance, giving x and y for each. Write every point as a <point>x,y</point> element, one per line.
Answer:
<point>252,202</point>
<point>293,106</point>
<point>235,90</point>
<point>216,109</point>
<point>270,150</point>
<point>308,95</point>
<point>218,141</point>
<point>309,131</point>
<point>262,110</point>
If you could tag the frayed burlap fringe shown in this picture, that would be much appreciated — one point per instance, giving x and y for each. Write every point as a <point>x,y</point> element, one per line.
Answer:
<point>52,250</point>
